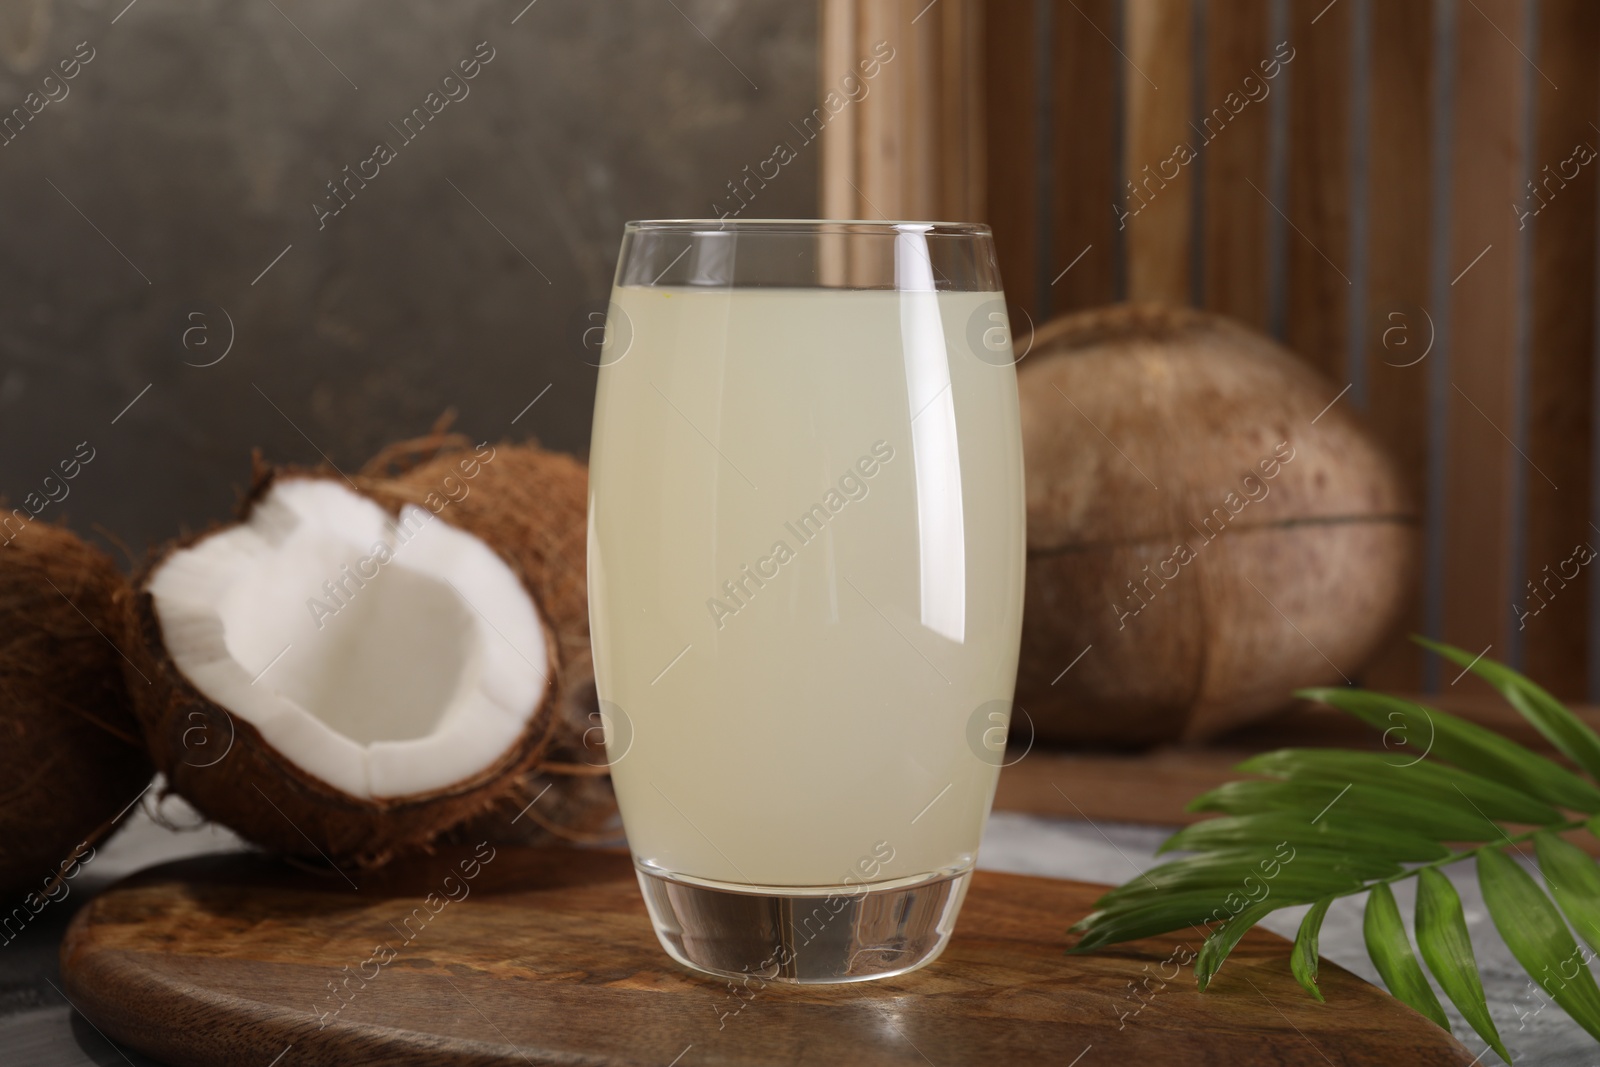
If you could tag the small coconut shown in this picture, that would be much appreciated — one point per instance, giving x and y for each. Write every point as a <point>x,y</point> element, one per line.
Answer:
<point>350,671</point>
<point>71,758</point>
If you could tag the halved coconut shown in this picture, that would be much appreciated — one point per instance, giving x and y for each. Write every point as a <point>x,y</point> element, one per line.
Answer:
<point>71,758</point>
<point>335,677</point>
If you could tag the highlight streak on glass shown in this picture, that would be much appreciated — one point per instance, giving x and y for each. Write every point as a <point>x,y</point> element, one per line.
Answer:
<point>936,456</point>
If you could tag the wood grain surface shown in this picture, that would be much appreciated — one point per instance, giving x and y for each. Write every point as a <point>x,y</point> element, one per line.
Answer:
<point>1012,144</point>
<point>1158,87</point>
<point>1489,140</point>
<point>1085,185</point>
<point>1561,340</point>
<point>548,958</point>
<point>1235,269</point>
<point>1398,331</point>
<point>1317,208</point>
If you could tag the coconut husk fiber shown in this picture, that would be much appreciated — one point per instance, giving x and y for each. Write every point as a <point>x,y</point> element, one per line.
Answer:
<point>71,755</point>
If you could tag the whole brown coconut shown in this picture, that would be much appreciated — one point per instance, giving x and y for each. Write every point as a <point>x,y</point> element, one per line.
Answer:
<point>1204,529</point>
<point>525,504</point>
<point>71,758</point>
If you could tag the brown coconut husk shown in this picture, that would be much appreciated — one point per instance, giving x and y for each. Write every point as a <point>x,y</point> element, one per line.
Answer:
<point>531,506</point>
<point>72,760</point>
<point>1174,408</point>
<point>543,495</point>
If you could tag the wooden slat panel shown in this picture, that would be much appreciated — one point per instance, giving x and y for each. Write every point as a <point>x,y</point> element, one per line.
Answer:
<point>1084,164</point>
<point>1158,88</point>
<point>1318,245</point>
<point>1488,141</point>
<point>1399,331</point>
<point>1012,152</point>
<point>1561,341</point>
<point>1233,139</point>
<point>910,147</point>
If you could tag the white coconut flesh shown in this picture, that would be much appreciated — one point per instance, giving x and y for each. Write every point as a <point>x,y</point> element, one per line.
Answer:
<point>385,657</point>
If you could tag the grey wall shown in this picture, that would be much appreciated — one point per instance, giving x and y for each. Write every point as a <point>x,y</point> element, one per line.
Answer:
<point>196,141</point>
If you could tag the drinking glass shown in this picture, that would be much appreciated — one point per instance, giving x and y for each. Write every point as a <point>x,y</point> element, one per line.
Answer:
<point>806,547</point>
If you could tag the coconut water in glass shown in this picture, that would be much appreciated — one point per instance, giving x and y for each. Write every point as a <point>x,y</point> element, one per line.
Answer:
<point>806,547</point>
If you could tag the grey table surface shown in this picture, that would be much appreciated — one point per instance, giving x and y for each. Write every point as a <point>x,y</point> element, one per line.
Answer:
<point>39,1028</point>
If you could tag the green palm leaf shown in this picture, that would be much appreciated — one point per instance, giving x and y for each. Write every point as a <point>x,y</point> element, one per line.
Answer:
<point>1332,832</point>
<point>1429,781</point>
<point>1303,959</point>
<point>1447,948</point>
<point>1217,947</point>
<point>1132,919</point>
<point>1375,803</point>
<point>1250,871</point>
<point>1559,726</point>
<point>1537,937</point>
<point>1574,881</point>
<point>1391,953</point>
<point>1321,824</point>
<point>1469,746</point>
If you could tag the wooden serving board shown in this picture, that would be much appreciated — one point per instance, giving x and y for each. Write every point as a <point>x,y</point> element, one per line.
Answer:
<point>548,958</point>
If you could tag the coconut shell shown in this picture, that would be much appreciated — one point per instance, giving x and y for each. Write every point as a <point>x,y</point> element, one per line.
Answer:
<point>221,765</point>
<point>1140,427</point>
<point>71,758</point>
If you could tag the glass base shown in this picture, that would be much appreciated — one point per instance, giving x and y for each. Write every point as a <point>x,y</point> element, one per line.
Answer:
<point>804,934</point>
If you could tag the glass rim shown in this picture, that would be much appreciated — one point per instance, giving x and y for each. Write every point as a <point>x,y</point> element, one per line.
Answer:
<point>883,227</point>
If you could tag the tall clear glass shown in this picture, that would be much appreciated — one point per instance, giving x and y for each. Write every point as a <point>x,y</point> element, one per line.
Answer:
<point>806,546</point>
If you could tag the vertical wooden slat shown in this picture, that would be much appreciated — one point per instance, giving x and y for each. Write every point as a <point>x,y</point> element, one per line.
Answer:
<point>1318,252</point>
<point>1234,127</point>
<point>886,128</point>
<point>1012,144</point>
<point>1399,331</point>
<point>909,147</point>
<point>1158,36</point>
<point>1561,340</point>
<point>1084,165</point>
<point>840,157</point>
<point>962,137</point>
<point>1488,142</point>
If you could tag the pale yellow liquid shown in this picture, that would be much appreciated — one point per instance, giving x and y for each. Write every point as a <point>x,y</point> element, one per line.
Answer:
<point>781,744</point>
